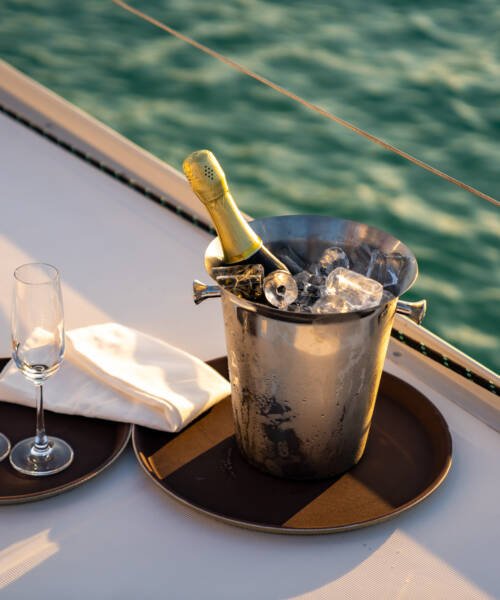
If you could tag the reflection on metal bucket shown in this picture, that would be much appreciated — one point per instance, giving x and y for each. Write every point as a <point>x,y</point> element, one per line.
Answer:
<point>304,385</point>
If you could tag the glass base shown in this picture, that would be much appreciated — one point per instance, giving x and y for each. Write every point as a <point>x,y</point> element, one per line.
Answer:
<point>4,446</point>
<point>26,459</point>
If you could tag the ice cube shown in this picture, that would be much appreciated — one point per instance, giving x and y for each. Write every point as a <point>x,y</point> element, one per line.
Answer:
<point>310,288</point>
<point>332,303</point>
<point>317,285</point>
<point>317,280</point>
<point>314,268</point>
<point>306,281</point>
<point>242,280</point>
<point>386,268</point>
<point>305,299</point>
<point>302,279</point>
<point>280,289</point>
<point>359,257</point>
<point>332,258</point>
<point>358,291</point>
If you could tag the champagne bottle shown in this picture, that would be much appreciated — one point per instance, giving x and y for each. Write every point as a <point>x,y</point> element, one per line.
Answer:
<point>240,243</point>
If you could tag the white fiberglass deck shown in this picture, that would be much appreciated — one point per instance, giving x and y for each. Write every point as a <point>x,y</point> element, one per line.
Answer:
<point>125,259</point>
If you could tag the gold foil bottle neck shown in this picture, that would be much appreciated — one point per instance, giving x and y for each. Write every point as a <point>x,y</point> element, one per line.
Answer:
<point>208,181</point>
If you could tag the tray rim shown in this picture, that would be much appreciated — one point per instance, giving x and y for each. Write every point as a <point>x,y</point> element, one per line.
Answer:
<point>111,459</point>
<point>425,493</point>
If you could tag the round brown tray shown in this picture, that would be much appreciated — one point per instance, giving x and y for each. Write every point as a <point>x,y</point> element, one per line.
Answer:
<point>96,444</point>
<point>407,456</point>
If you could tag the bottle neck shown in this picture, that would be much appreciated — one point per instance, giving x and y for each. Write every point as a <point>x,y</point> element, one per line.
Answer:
<point>238,240</point>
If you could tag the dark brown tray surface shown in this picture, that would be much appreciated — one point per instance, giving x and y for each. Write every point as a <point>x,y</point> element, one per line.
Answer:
<point>407,456</point>
<point>96,444</point>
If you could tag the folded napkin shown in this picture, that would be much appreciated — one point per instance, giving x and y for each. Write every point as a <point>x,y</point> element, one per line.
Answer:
<point>113,372</point>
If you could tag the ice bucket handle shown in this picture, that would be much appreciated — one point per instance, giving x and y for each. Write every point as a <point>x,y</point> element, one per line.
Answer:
<point>413,310</point>
<point>202,291</point>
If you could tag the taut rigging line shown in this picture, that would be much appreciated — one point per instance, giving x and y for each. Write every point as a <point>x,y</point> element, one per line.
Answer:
<point>323,112</point>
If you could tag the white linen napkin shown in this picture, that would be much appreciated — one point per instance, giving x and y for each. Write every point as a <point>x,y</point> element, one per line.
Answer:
<point>113,372</point>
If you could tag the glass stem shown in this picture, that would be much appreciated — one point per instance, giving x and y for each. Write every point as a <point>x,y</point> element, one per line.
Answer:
<point>41,440</point>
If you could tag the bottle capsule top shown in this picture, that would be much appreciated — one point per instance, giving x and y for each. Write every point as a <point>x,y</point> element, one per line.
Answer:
<point>205,176</point>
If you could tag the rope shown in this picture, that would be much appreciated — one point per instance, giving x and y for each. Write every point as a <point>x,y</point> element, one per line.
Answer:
<point>323,112</point>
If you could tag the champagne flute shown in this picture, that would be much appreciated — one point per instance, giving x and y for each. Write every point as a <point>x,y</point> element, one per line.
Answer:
<point>37,330</point>
<point>4,446</point>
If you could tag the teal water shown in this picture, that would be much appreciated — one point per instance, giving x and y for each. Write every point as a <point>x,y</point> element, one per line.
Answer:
<point>423,75</point>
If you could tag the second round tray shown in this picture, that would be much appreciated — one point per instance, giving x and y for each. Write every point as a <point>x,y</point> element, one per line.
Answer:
<point>97,444</point>
<point>407,456</point>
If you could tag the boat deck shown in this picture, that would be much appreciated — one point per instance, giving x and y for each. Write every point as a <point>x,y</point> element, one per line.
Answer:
<point>126,258</point>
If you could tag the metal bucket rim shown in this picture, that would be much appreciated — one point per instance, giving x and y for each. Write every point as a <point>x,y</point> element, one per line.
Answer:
<point>214,250</point>
<point>303,317</point>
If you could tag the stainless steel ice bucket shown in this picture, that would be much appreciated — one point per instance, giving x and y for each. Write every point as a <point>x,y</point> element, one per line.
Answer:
<point>304,385</point>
